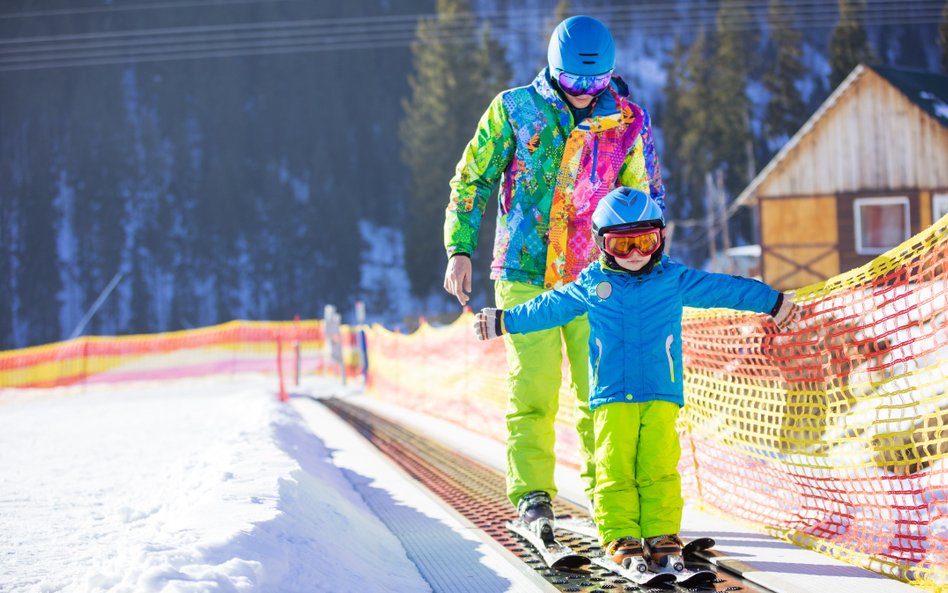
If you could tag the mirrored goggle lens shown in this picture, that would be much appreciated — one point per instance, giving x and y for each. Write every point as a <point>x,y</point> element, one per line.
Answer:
<point>622,245</point>
<point>583,85</point>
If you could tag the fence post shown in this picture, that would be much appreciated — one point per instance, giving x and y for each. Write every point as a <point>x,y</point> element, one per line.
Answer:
<point>296,348</point>
<point>283,396</point>
<point>332,325</point>
<point>360,341</point>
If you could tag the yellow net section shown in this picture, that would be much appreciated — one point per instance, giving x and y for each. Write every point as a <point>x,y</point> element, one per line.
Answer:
<point>832,435</point>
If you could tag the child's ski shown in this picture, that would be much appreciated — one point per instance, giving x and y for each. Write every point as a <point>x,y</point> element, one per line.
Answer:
<point>638,573</point>
<point>555,554</point>
<point>686,576</point>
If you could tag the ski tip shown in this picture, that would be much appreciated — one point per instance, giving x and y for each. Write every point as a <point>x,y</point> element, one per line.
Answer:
<point>699,544</point>
<point>698,578</point>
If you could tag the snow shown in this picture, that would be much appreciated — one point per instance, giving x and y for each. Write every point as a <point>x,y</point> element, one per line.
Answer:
<point>207,485</point>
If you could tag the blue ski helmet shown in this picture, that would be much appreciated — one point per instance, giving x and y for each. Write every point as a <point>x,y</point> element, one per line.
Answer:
<point>625,208</point>
<point>583,46</point>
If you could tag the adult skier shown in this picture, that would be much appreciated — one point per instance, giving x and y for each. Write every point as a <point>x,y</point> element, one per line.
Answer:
<point>554,147</point>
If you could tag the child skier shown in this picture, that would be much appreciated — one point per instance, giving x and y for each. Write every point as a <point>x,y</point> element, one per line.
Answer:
<point>634,297</point>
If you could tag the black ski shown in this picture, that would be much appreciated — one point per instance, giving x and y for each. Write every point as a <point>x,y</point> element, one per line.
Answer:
<point>555,554</point>
<point>686,576</point>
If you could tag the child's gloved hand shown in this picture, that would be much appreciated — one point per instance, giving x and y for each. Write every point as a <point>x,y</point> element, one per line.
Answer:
<point>789,312</point>
<point>489,323</point>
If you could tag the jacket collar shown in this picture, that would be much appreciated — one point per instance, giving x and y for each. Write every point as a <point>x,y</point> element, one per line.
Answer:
<point>608,269</point>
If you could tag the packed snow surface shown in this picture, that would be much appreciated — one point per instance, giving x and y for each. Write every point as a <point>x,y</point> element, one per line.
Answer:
<point>193,486</point>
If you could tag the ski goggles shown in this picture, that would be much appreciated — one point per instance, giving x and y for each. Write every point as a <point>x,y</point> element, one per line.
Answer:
<point>623,243</point>
<point>577,85</point>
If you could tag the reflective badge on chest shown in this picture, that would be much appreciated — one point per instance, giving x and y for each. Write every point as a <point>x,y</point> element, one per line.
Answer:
<point>604,290</point>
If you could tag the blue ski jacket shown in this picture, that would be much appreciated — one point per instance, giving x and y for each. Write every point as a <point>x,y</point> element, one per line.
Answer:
<point>635,323</point>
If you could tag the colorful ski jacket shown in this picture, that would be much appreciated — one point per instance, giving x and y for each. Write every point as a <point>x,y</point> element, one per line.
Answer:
<point>552,174</point>
<point>635,323</point>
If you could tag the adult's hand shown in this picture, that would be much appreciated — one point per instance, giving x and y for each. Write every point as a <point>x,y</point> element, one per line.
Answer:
<point>457,278</point>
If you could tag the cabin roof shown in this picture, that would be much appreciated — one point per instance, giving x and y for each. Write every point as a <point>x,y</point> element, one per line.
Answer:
<point>927,90</point>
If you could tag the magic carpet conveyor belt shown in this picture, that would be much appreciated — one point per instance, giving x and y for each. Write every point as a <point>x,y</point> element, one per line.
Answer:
<point>477,493</point>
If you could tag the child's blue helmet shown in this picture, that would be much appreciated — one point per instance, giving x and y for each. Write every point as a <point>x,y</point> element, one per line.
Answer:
<point>627,209</point>
<point>581,46</point>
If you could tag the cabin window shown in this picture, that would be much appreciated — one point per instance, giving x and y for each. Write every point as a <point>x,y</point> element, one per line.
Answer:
<point>881,224</point>
<point>939,206</point>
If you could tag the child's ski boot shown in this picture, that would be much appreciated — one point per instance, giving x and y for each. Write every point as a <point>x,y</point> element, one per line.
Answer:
<point>664,553</point>
<point>627,552</point>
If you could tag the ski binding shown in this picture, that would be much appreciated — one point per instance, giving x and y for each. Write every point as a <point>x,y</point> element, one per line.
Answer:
<point>555,554</point>
<point>638,572</point>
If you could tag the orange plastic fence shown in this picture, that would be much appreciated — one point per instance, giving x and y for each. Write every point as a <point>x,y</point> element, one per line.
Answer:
<point>234,347</point>
<point>833,435</point>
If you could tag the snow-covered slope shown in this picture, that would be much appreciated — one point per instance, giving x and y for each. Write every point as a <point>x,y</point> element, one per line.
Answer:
<point>198,486</point>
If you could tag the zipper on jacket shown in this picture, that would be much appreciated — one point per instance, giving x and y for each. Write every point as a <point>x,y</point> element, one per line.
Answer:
<point>598,360</point>
<point>592,176</point>
<point>668,353</point>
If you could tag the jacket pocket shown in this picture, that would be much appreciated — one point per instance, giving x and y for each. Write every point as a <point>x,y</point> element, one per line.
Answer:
<point>671,359</point>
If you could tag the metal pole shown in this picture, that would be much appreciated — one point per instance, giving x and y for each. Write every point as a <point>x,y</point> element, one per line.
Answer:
<point>95,306</point>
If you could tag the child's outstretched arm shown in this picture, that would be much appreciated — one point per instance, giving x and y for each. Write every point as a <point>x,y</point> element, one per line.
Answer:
<point>548,310</point>
<point>708,290</point>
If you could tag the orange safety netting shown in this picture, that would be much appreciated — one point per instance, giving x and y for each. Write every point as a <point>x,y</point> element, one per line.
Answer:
<point>234,347</point>
<point>833,435</point>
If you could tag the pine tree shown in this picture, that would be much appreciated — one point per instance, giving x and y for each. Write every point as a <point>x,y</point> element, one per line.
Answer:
<point>943,37</point>
<point>672,120</point>
<point>693,153</point>
<point>849,44</point>
<point>728,113</point>
<point>730,107</point>
<point>450,89</point>
<point>786,110</point>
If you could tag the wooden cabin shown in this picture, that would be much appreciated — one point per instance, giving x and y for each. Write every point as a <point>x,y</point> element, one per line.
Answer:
<point>867,171</point>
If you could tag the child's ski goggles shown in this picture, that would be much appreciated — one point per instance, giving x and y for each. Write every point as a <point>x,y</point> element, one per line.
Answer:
<point>623,243</point>
<point>577,85</point>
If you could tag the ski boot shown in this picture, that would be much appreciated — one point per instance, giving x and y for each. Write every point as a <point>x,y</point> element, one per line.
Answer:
<point>627,552</point>
<point>664,554</point>
<point>536,512</point>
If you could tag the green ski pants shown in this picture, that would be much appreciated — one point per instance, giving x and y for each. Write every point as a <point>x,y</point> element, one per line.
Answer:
<point>534,363</point>
<point>638,488</point>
